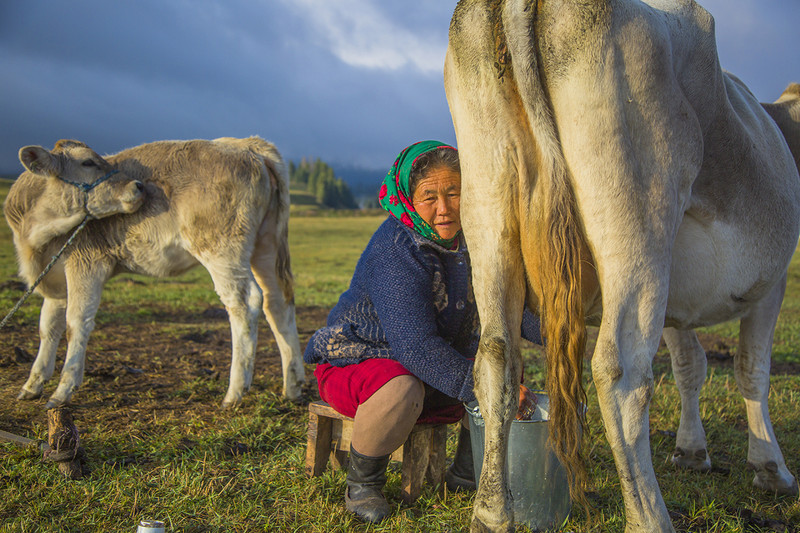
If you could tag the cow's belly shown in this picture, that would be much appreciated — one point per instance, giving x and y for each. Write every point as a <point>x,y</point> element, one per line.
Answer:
<point>719,270</point>
<point>164,261</point>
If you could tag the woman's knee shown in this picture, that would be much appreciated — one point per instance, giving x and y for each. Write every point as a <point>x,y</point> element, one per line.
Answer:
<point>405,392</point>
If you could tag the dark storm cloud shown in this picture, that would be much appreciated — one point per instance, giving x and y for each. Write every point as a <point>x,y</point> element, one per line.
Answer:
<point>756,40</point>
<point>350,81</point>
<point>116,74</point>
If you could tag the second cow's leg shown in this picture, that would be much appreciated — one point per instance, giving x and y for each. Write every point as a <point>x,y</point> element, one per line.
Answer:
<point>752,371</point>
<point>689,367</point>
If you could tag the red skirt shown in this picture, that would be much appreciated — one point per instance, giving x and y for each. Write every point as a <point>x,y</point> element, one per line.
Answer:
<point>346,387</point>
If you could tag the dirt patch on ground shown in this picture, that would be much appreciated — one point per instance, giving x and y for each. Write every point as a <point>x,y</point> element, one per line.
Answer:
<point>138,368</point>
<point>134,368</point>
<point>721,352</point>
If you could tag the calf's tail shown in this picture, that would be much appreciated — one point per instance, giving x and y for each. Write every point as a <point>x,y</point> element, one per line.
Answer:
<point>279,182</point>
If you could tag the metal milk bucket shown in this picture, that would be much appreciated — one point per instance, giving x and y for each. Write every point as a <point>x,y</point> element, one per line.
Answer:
<point>537,480</point>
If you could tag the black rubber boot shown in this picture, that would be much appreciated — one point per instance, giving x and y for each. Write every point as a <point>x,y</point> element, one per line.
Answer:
<point>461,474</point>
<point>363,496</point>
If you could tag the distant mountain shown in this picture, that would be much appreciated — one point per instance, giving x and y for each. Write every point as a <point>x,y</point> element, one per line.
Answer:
<point>363,182</point>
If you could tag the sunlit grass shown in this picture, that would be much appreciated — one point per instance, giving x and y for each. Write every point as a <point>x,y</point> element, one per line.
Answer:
<point>324,254</point>
<point>177,465</point>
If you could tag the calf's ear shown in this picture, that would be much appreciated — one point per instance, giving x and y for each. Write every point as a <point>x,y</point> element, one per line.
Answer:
<point>38,160</point>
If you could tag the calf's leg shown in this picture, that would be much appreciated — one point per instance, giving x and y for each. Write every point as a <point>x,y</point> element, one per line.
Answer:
<point>280,314</point>
<point>242,299</point>
<point>85,279</point>
<point>52,324</point>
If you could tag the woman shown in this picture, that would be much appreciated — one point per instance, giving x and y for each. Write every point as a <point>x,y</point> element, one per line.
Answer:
<point>398,346</point>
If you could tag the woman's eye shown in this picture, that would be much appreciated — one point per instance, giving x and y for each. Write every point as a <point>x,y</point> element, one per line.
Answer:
<point>89,163</point>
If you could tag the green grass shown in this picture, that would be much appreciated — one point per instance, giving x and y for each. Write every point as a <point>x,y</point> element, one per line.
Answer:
<point>324,254</point>
<point>175,463</point>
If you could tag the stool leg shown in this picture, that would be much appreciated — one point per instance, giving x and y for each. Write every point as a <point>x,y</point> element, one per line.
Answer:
<point>434,475</point>
<point>319,444</point>
<point>416,454</point>
<point>341,436</point>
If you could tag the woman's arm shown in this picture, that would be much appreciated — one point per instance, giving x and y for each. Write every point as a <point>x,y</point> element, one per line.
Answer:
<point>401,288</point>
<point>531,328</point>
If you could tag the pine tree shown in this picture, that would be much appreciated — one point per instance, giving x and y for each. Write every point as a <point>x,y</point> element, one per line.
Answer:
<point>319,180</point>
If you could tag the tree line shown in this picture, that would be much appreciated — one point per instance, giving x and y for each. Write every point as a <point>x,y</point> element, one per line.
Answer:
<point>317,179</point>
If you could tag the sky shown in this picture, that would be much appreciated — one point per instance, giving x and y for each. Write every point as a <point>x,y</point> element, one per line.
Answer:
<point>349,81</point>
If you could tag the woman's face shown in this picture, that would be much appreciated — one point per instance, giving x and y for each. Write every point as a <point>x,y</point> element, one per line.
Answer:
<point>437,199</point>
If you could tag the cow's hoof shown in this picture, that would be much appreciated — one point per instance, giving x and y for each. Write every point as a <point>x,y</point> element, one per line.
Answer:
<point>25,394</point>
<point>293,395</point>
<point>696,460</point>
<point>231,404</point>
<point>52,403</point>
<point>478,526</point>
<point>233,397</point>
<point>792,490</point>
<point>769,478</point>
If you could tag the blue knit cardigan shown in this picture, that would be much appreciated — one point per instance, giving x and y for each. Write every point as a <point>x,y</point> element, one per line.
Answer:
<point>410,300</point>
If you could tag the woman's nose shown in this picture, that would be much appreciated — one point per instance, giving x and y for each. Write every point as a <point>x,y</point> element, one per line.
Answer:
<point>443,206</point>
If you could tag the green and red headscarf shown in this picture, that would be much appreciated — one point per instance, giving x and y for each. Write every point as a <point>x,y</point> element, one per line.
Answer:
<point>395,195</point>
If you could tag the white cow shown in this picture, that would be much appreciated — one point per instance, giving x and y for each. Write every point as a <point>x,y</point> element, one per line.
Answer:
<point>223,204</point>
<point>614,174</point>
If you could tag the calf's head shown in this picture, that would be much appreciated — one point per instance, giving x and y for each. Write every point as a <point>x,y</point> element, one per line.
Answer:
<point>92,182</point>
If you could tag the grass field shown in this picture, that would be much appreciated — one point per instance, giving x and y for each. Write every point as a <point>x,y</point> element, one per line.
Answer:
<point>159,446</point>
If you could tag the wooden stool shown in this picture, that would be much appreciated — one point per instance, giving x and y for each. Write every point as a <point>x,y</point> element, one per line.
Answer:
<point>423,454</point>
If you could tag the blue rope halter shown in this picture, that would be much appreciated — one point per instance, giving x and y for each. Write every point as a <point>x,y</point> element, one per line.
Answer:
<point>86,187</point>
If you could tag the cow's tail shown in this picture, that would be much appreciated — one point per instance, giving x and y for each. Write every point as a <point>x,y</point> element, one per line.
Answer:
<point>554,243</point>
<point>279,182</point>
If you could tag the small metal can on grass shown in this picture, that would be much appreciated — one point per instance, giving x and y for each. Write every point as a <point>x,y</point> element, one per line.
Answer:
<point>150,526</point>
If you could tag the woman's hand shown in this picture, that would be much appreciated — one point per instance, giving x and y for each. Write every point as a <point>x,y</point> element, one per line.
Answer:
<point>527,403</point>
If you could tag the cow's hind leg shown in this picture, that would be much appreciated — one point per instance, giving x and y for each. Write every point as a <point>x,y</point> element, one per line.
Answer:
<point>52,324</point>
<point>239,293</point>
<point>752,367</point>
<point>621,367</point>
<point>499,284</point>
<point>498,368</point>
<point>280,313</point>
<point>689,366</point>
